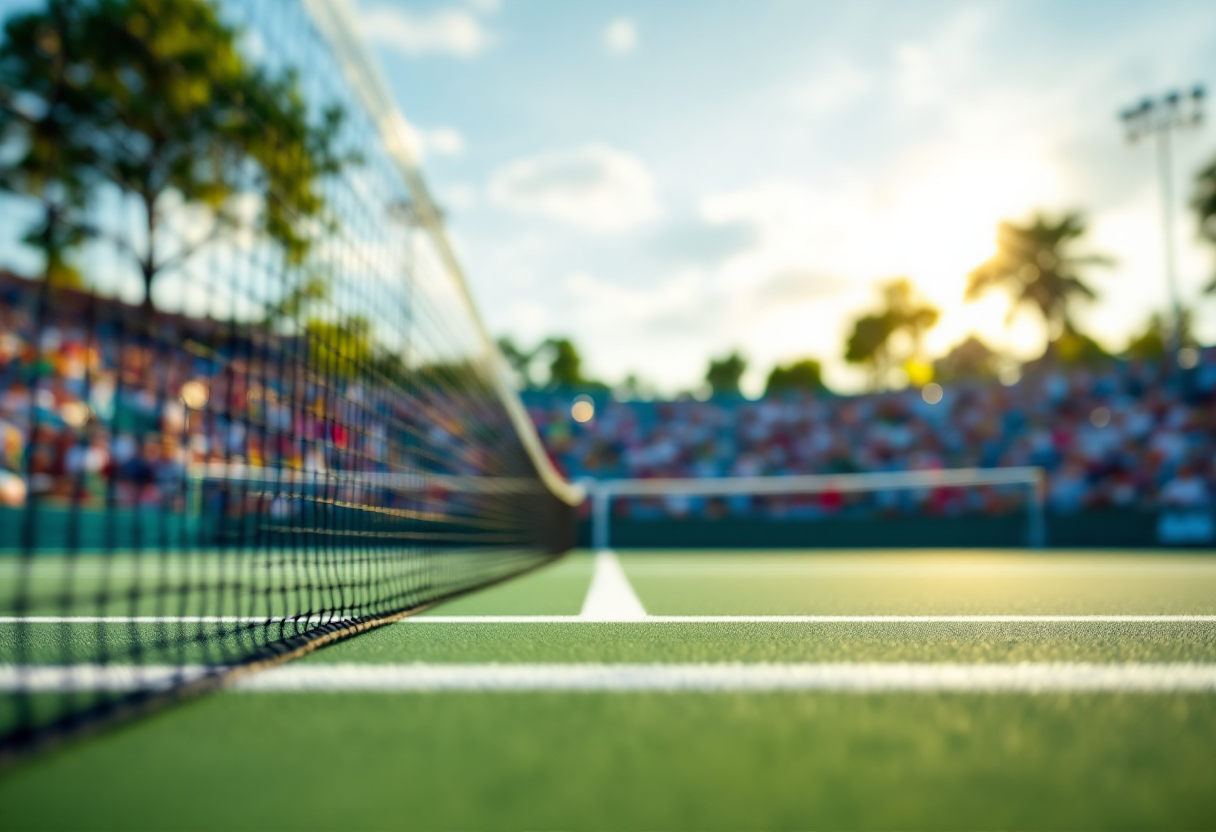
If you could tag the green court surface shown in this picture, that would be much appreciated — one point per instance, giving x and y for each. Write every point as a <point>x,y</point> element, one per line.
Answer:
<point>701,759</point>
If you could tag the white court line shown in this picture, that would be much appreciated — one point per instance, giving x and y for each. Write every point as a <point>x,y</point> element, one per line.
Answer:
<point>95,677</point>
<point>610,597</point>
<point>821,619</point>
<point>913,570</point>
<point>647,619</point>
<point>1031,677</point>
<point>162,619</point>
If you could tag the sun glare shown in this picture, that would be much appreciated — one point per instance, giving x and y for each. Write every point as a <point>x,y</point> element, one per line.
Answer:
<point>944,225</point>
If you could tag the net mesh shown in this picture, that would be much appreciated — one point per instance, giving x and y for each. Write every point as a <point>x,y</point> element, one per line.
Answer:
<point>245,403</point>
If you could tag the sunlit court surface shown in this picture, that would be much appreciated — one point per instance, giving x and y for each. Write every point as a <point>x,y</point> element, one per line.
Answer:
<point>526,416</point>
<point>694,690</point>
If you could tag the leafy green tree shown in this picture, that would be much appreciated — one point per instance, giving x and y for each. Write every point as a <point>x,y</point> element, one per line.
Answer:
<point>46,154</point>
<point>565,364</point>
<point>294,303</point>
<point>343,349</point>
<point>724,374</point>
<point>1037,265</point>
<point>868,344</point>
<point>164,107</point>
<point>805,376</point>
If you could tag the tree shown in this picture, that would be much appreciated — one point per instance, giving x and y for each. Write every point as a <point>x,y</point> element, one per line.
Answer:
<point>724,374</point>
<point>868,345</point>
<point>518,361</point>
<point>873,339</point>
<point>1151,343</point>
<point>1036,265</point>
<point>291,306</point>
<point>908,314</point>
<point>633,388</point>
<point>1204,204</point>
<point>1074,347</point>
<point>560,357</point>
<point>47,155</point>
<point>165,108</point>
<point>805,376</point>
<point>344,349</point>
<point>565,364</point>
<point>969,360</point>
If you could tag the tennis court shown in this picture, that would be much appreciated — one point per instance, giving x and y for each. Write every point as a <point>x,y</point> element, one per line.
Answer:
<point>282,547</point>
<point>687,690</point>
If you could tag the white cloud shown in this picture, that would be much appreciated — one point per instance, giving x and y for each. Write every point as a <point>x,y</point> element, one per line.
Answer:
<point>442,32</point>
<point>621,36</point>
<point>443,141</point>
<point>814,258</point>
<point>831,88</point>
<point>531,321</point>
<point>419,142</point>
<point>594,187</point>
<point>932,216</point>
<point>458,196</point>
<point>900,148</point>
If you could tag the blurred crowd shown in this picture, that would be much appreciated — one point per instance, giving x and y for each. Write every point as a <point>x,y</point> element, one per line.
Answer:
<point>108,408</point>
<point>92,408</point>
<point>1130,435</point>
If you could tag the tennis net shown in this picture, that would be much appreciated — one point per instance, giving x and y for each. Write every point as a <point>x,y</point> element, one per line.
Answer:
<point>247,406</point>
<point>971,507</point>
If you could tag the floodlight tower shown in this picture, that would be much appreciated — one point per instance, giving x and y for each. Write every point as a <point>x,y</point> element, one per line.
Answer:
<point>1160,118</point>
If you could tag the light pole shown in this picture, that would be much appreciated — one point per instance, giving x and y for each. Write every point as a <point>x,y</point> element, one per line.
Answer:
<point>1159,118</point>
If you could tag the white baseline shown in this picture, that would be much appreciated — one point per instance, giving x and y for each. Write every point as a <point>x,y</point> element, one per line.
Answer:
<point>893,677</point>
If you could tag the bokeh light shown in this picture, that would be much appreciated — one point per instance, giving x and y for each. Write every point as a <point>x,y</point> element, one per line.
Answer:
<point>194,395</point>
<point>583,409</point>
<point>931,392</point>
<point>75,414</point>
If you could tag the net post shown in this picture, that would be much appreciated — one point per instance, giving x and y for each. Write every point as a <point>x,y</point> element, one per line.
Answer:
<point>1036,506</point>
<point>601,500</point>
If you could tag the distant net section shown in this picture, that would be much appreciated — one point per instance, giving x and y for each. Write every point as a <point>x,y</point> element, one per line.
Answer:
<point>1000,507</point>
<point>246,403</point>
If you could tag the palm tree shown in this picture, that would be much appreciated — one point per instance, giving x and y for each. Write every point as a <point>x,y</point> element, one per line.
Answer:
<point>870,342</point>
<point>907,313</point>
<point>1204,204</point>
<point>1036,265</point>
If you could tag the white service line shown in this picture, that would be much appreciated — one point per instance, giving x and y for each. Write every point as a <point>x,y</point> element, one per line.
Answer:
<point>1033,677</point>
<point>610,597</point>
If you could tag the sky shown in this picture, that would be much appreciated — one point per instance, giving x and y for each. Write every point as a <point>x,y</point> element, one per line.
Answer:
<point>665,182</point>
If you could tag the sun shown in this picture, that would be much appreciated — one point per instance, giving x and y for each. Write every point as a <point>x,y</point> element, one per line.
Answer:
<point>942,224</point>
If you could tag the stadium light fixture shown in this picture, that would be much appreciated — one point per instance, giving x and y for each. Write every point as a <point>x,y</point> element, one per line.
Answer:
<point>1160,118</point>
